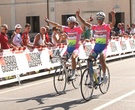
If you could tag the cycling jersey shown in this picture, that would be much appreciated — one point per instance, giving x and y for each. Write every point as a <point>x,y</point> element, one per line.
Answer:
<point>102,34</point>
<point>74,36</point>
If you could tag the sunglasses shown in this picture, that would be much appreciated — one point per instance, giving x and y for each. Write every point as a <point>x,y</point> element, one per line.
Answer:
<point>100,18</point>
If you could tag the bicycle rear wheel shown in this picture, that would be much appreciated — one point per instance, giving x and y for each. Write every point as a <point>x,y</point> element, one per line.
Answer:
<point>77,80</point>
<point>105,82</point>
<point>86,89</point>
<point>59,80</point>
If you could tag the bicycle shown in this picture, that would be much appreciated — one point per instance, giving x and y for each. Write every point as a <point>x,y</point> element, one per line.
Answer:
<point>86,88</point>
<point>63,73</point>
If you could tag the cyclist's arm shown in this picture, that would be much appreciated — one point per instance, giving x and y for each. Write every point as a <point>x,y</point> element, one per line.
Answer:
<point>84,22</point>
<point>113,19</point>
<point>53,23</point>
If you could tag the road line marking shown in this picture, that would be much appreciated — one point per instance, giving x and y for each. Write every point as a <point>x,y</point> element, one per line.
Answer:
<point>115,100</point>
<point>25,86</point>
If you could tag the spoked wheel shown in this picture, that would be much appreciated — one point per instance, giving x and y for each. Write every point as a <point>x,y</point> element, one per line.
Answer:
<point>77,80</point>
<point>59,81</point>
<point>86,88</point>
<point>105,81</point>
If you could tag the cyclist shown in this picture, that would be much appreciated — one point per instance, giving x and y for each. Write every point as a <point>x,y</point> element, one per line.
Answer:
<point>74,34</point>
<point>102,35</point>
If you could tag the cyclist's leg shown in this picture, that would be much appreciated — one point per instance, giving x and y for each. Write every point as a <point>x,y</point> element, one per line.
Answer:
<point>93,54</point>
<point>74,56</point>
<point>98,48</point>
<point>102,60</point>
<point>74,53</point>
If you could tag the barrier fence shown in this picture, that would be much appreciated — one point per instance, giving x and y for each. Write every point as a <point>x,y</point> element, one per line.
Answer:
<point>18,63</point>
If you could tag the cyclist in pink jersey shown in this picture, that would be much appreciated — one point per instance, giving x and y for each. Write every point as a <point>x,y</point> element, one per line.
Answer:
<point>74,34</point>
<point>102,35</point>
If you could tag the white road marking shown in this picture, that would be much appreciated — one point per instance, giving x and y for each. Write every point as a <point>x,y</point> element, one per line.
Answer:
<point>18,88</point>
<point>115,100</point>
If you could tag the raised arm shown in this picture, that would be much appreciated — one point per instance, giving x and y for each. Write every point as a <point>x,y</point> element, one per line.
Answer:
<point>53,23</point>
<point>83,21</point>
<point>113,19</point>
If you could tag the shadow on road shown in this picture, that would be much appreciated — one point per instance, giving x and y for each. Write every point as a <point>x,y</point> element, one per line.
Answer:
<point>39,99</point>
<point>64,106</point>
<point>72,103</point>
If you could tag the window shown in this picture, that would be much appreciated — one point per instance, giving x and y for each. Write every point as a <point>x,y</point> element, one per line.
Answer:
<point>34,22</point>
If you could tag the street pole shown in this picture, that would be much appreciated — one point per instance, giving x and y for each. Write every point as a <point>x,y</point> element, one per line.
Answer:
<point>48,11</point>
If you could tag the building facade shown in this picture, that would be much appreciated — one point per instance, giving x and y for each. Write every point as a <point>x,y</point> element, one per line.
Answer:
<point>34,11</point>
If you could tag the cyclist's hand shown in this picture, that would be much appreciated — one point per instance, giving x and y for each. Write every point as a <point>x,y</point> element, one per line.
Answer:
<point>46,19</point>
<point>113,12</point>
<point>78,12</point>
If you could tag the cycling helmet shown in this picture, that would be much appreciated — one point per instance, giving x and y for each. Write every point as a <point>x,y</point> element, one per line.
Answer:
<point>100,15</point>
<point>71,19</point>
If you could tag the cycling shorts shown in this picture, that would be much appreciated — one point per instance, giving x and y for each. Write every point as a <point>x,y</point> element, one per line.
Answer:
<point>98,49</point>
<point>73,49</point>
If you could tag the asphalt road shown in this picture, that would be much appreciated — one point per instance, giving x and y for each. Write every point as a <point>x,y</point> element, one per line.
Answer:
<point>40,94</point>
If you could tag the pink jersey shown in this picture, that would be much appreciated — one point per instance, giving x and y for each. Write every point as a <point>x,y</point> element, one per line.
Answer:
<point>74,36</point>
<point>102,33</point>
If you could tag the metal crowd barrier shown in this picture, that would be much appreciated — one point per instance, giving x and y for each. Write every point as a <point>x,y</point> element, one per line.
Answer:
<point>16,64</point>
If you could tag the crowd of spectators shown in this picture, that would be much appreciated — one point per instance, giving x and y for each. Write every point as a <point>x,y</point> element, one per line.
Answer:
<point>43,38</point>
<point>123,31</point>
<point>22,39</point>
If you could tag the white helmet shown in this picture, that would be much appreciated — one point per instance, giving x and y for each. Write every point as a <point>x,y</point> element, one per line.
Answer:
<point>71,19</point>
<point>100,15</point>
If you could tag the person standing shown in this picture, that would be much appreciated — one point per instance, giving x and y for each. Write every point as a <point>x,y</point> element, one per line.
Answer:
<point>26,37</point>
<point>4,42</point>
<point>16,37</point>
<point>133,28</point>
<point>40,39</point>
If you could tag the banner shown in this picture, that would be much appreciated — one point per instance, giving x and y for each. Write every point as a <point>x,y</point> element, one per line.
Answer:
<point>22,61</point>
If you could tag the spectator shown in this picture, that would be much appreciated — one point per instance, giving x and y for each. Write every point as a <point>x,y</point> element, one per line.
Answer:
<point>55,36</point>
<point>26,37</point>
<point>128,31</point>
<point>39,39</point>
<point>64,37</point>
<point>58,36</point>
<point>123,27</point>
<point>47,36</point>
<point>16,37</point>
<point>133,28</point>
<point>118,30</point>
<point>4,42</point>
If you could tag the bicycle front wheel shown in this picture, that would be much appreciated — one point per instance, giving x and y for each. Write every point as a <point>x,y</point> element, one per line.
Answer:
<point>86,88</point>
<point>105,81</point>
<point>77,80</point>
<point>59,81</point>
